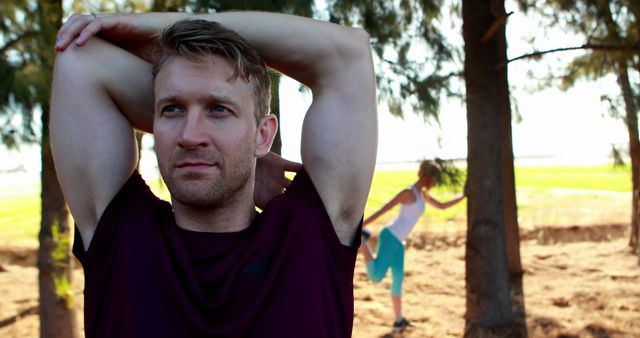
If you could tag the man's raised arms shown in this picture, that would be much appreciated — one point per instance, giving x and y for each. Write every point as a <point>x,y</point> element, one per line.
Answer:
<point>100,91</point>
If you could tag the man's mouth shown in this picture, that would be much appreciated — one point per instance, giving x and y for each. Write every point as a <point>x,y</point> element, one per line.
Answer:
<point>194,166</point>
<point>189,164</point>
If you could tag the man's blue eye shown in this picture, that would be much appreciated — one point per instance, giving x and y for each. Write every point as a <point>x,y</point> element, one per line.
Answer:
<point>170,110</point>
<point>220,109</point>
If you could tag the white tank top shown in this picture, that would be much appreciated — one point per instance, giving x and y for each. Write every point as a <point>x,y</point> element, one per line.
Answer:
<point>407,217</point>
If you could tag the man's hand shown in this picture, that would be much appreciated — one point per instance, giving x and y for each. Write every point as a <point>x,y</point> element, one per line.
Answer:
<point>136,33</point>
<point>270,179</point>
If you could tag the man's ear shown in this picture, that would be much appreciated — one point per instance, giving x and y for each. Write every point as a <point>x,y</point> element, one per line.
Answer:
<point>265,133</point>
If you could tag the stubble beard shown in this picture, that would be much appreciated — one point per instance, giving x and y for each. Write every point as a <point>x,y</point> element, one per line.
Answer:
<point>196,192</point>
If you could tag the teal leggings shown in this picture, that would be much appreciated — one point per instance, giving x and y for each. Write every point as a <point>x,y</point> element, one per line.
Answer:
<point>390,255</point>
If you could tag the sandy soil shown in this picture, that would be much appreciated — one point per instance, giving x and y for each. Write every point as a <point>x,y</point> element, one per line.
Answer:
<point>585,284</point>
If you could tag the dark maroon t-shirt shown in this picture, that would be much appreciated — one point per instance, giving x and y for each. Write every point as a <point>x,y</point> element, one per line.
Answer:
<point>286,275</point>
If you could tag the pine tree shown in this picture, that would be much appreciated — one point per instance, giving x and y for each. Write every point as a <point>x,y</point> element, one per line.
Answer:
<point>28,29</point>
<point>405,81</point>
<point>611,31</point>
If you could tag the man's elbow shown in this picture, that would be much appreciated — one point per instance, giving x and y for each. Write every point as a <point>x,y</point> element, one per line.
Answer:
<point>71,62</point>
<point>361,38</point>
<point>359,44</point>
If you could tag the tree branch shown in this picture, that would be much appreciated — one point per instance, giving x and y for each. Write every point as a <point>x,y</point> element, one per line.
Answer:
<point>495,26</point>
<point>12,42</point>
<point>537,54</point>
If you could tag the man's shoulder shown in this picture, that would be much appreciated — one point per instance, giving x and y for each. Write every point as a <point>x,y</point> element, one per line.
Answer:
<point>299,207</point>
<point>302,186</point>
<point>134,200</point>
<point>134,209</point>
<point>136,190</point>
<point>301,194</point>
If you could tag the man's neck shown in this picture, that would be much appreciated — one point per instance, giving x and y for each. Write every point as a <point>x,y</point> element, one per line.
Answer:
<point>231,217</point>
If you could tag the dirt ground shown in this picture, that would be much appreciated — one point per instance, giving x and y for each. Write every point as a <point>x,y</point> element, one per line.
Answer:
<point>578,282</point>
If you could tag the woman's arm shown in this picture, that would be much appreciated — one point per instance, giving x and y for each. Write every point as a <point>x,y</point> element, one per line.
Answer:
<point>401,197</point>
<point>442,205</point>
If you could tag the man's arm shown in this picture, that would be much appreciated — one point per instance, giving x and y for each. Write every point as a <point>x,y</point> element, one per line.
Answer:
<point>340,129</point>
<point>339,137</point>
<point>94,89</point>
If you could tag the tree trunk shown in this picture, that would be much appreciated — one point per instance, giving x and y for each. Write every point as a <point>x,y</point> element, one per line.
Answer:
<point>509,192</point>
<point>637,196</point>
<point>275,110</point>
<point>635,9</point>
<point>139,135</point>
<point>168,5</point>
<point>512,232</point>
<point>489,306</point>
<point>631,119</point>
<point>57,315</point>
<point>634,147</point>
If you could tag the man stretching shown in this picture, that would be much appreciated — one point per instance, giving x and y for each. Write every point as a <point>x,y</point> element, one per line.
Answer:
<point>208,265</point>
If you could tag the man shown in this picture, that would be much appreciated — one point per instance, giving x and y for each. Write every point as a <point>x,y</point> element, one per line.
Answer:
<point>207,265</point>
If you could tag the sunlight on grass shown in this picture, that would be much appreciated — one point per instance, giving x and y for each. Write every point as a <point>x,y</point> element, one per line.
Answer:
<point>386,184</point>
<point>605,178</point>
<point>546,196</point>
<point>19,213</point>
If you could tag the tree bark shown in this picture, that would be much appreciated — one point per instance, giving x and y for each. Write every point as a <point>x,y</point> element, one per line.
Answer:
<point>631,119</point>
<point>275,110</point>
<point>512,231</point>
<point>637,211</point>
<point>168,5</point>
<point>57,315</point>
<point>512,228</point>
<point>635,10</point>
<point>139,135</point>
<point>489,306</point>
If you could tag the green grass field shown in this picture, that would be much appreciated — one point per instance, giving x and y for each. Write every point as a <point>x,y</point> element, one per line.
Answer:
<point>20,206</point>
<point>535,186</point>
<point>19,214</point>
<point>605,178</point>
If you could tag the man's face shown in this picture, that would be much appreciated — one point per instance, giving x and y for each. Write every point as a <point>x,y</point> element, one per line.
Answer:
<point>205,131</point>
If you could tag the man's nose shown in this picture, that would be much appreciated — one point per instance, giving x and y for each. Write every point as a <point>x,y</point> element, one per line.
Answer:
<point>194,131</point>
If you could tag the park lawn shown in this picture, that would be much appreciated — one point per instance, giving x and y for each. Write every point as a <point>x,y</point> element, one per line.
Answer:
<point>533,184</point>
<point>19,215</point>
<point>386,184</point>
<point>20,208</point>
<point>602,178</point>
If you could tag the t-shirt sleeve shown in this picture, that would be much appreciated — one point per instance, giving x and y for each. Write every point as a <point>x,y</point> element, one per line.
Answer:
<point>303,191</point>
<point>133,197</point>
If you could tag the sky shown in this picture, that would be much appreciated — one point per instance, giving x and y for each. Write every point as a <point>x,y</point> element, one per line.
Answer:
<point>555,126</point>
<point>561,127</point>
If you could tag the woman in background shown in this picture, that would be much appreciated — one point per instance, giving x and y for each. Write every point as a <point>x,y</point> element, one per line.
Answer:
<point>391,239</point>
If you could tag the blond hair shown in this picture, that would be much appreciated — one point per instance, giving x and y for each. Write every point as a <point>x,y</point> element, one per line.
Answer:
<point>197,39</point>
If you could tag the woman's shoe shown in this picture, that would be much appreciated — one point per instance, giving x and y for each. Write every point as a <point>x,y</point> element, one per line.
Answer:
<point>400,325</point>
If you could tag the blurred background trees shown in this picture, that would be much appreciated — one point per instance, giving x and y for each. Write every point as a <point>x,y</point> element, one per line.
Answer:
<point>611,34</point>
<point>426,52</point>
